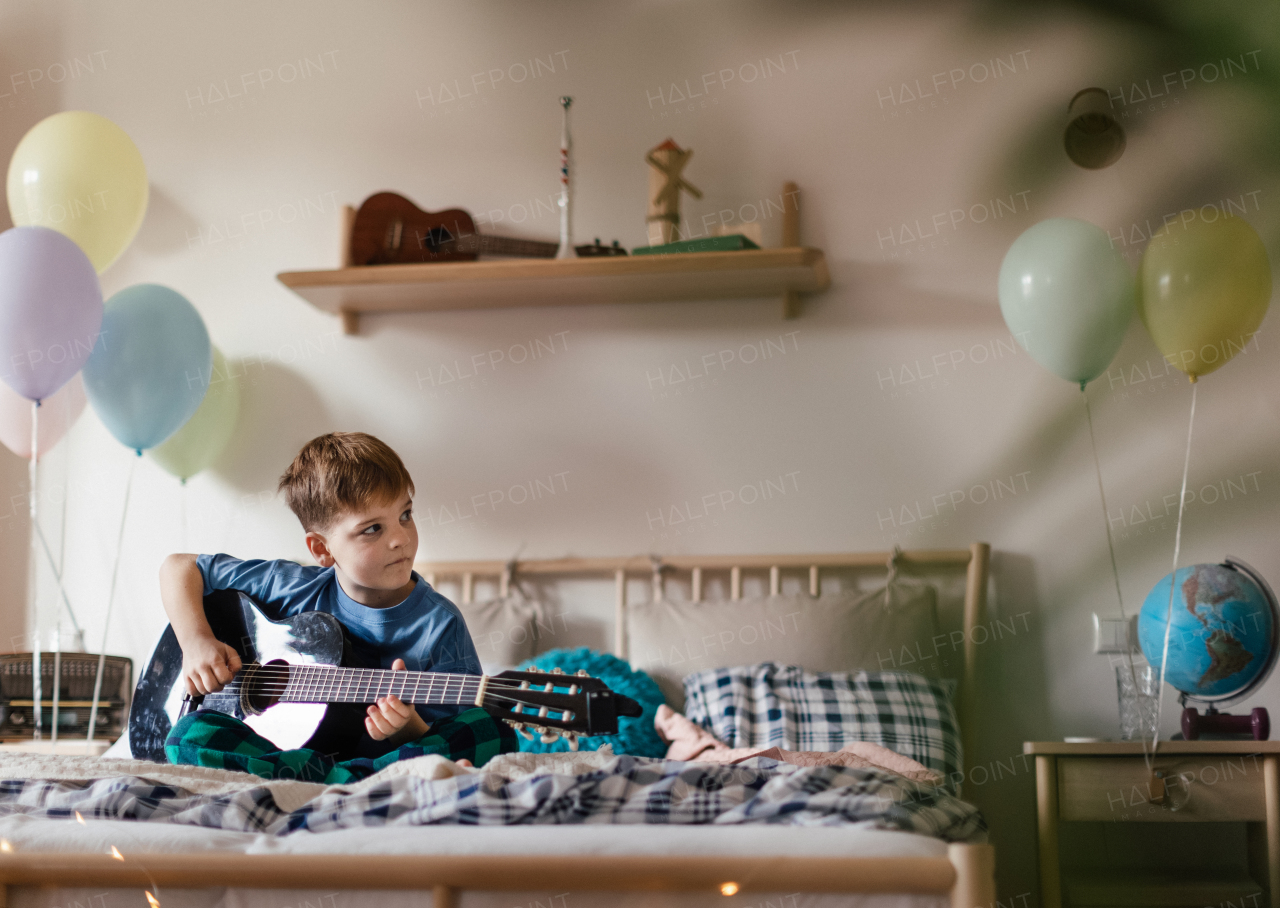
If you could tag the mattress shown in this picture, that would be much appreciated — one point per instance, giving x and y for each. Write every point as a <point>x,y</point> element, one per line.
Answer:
<point>136,839</point>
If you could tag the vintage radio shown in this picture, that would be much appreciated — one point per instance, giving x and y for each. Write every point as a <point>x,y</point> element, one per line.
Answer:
<point>75,695</point>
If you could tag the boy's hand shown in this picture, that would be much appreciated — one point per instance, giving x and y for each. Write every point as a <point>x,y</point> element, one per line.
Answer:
<point>208,664</point>
<point>392,719</point>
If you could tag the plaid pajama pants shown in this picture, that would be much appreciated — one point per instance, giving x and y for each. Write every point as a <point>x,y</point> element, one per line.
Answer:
<point>210,738</point>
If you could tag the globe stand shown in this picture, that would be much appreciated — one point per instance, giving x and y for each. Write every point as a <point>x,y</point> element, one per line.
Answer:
<point>1256,725</point>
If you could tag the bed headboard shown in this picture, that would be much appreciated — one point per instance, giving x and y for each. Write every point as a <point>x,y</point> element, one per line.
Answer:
<point>974,561</point>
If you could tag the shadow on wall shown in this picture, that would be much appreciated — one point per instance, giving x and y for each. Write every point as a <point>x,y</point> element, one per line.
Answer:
<point>1171,53</point>
<point>1013,707</point>
<point>15,539</point>
<point>31,40</point>
<point>32,43</point>
<point>167,228</point>
<point>279,413</point>
<point>883,297</point>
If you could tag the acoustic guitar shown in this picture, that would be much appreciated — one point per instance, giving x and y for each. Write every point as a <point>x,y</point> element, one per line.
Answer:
<point>305,682</point>
<point>390,229</point>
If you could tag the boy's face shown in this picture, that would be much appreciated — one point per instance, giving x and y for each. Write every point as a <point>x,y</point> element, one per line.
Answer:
<point>373,548</point>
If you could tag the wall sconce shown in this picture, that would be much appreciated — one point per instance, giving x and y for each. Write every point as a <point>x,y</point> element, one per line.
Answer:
<point>1093,138</point>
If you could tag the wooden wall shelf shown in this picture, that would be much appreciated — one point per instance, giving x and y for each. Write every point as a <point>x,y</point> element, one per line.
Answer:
<point>511,283</point>
<point>352,290</point>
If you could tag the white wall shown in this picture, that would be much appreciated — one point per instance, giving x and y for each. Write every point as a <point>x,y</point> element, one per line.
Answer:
<point>834,416</point>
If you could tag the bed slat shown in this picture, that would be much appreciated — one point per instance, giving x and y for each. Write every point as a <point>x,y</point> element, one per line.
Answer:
<point>611,873</point>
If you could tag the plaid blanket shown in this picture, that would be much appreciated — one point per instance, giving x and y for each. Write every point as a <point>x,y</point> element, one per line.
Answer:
<point>625,790</point>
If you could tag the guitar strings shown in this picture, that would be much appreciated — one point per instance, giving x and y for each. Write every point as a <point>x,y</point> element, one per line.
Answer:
<point>278,684</point>
<point>277,687</point>
<point>468,688</point>
<point>365,674</point>
<point>468,685</point>
<point>464,695</point>
<point>331,675</point>
<point>319,683</point>
<point>516,705</point>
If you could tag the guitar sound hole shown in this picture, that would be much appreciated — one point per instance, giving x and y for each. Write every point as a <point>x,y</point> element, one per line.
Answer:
<point>435,238</point>
<point>266,686</point>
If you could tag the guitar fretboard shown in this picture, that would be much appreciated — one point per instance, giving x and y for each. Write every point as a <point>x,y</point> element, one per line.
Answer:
<point>501,245</point>
<point>339,684</point>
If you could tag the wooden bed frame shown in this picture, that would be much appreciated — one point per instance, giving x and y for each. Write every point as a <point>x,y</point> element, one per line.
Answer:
<point>966,875</point>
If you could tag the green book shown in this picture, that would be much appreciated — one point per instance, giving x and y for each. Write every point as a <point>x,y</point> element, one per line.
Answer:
<point>709,244</point>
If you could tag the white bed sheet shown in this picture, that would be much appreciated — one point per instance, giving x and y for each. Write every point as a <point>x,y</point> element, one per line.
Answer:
<point>137,838</point>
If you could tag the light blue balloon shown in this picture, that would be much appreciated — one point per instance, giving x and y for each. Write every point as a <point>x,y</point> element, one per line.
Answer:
<point>1067,296</point>
<point>151,366</point>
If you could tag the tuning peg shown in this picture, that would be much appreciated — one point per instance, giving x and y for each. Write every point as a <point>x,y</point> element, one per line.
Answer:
<point>520,729</point>
<point>557,671</point>
<point>573,741</point>
<point>581,673</point>
<point>549,736</point>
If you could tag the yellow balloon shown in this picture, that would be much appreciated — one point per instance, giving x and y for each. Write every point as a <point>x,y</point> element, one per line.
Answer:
<point>81,175</point>
<point>204,436</point>
<point>1203,290</point>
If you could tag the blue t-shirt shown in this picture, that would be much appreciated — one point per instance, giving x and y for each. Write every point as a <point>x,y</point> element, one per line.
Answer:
<point>426,630</point>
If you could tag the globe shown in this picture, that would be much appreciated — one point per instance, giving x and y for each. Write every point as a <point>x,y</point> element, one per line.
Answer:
<point>1222,633</point>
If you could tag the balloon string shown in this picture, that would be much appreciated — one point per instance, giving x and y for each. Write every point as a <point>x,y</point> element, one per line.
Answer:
<point>39,531</point>
<point>57,683</point>
<point>35,444</point>
<point>57,576</point>
<point>111,595</point>
<point>62,528</point>
<point>33,475</point>
<point>1173,578</point>
<point>1111,548</point>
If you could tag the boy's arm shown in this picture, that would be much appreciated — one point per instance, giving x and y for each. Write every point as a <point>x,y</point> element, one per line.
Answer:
<point>207,663</point>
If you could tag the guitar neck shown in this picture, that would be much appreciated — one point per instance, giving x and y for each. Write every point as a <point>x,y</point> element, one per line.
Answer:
<point>339,684</point>
<point>501,245</point>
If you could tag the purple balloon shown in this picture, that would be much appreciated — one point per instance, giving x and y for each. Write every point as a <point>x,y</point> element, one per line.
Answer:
<point>50,310</point>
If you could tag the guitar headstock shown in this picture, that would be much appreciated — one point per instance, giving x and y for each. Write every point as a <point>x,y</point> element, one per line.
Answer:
<point>554,704</point>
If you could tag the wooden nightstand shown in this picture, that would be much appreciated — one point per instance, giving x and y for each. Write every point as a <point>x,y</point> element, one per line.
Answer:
<point>1207,781</point>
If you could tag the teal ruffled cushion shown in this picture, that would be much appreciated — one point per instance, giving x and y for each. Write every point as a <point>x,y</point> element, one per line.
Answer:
<point>635,736</point>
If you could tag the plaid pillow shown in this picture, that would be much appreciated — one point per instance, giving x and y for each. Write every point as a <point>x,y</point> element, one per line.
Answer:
<point>769,705</point>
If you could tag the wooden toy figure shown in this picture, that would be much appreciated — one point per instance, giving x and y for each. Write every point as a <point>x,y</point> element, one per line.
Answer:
<point>666,161</point>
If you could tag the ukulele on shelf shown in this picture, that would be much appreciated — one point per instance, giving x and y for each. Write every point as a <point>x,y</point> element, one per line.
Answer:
<point>302,684</point>
<point>390,229</point>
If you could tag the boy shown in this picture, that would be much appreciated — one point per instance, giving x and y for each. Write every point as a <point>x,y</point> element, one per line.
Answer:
<point>353,496</point>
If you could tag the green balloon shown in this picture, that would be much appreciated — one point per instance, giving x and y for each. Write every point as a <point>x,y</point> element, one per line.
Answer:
<point>203,437</point>
<point>1067,296</point>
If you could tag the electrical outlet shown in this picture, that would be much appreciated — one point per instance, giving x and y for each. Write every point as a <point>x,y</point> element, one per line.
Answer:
<point>1109,635</point>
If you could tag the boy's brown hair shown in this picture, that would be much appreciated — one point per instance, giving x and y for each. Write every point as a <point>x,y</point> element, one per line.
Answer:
<point>339,472</point>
